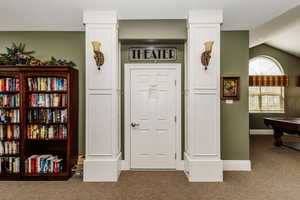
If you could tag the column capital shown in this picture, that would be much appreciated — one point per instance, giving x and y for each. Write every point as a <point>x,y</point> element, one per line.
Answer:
<point>205,16</point>
<point>100,17</point>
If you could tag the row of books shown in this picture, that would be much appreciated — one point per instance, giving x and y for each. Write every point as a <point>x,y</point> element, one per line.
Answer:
<point>10,165</point>
<point>9,132</point>
<point>47,100</point>
<point>43,164</point>
<point>47,83</point>
<point>9,100</point>
<point>9,116</point>
<point>9,84</point>
<point>47,116</point>
<point>46,131</point>
<point>9,148</point>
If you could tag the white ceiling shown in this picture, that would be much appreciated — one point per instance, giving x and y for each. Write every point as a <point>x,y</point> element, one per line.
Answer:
<point>67,14</point>
<point>283,32</point>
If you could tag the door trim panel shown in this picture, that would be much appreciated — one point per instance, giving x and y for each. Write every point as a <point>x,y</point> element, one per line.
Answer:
<point>127,71</point>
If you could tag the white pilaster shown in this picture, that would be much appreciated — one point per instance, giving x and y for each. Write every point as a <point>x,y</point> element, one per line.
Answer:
<point>202,149</point>
<point>102,99</point>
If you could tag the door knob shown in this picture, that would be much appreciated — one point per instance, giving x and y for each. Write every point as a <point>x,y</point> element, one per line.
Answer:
<point>134,124</point>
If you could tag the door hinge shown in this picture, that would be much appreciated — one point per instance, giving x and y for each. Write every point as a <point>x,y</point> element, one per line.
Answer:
<point>175,156</point>
<point>175,82</point>
<point>175,119</point>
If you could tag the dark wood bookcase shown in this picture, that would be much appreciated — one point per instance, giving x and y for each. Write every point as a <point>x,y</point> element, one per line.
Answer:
<point>65,148</point>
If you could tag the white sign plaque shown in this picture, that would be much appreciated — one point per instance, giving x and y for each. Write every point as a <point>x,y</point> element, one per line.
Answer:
<point>155,53</point>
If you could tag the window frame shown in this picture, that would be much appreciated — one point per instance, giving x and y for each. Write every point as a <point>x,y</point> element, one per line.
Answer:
<point>282,96</point>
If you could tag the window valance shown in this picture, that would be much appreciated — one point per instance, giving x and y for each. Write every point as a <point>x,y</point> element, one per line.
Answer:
<point>282,80</point>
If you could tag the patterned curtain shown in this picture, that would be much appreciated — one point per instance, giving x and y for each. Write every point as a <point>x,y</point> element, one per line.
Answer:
<point>282,81</point>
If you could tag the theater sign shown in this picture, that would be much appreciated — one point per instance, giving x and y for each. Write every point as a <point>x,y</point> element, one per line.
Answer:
<point>154,53</point>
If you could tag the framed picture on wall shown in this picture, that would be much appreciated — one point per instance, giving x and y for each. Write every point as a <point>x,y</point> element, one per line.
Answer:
<point>230,87</point>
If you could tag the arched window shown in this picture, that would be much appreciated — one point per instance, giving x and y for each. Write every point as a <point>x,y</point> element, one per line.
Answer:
<point>265,98</point>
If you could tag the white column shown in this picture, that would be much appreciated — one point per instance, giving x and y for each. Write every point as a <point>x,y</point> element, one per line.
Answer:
<point>102,99</point>
<point>202,148</point>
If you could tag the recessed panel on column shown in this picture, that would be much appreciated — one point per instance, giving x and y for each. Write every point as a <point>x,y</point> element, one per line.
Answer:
<point>99,124</point>
<point>201,78</point>
<point>99,79</point>
<point>205,124</point>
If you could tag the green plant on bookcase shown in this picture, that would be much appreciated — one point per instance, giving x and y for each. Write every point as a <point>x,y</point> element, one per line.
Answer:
<point>16,55</point>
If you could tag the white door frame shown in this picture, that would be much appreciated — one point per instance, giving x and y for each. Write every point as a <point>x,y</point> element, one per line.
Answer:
<point>127,128</point>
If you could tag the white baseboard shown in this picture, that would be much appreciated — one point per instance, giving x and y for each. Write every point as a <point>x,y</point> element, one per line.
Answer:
<point>125,165</point>
<point>236,165</point>
<point>228,165</point>
<point>261,131</point>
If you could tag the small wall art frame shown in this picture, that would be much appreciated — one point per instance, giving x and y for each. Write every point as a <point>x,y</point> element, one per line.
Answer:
<point>230,87</point>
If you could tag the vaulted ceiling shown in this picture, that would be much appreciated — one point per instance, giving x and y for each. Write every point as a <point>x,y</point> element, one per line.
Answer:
<point>282,32</point>
<point>54,15</point>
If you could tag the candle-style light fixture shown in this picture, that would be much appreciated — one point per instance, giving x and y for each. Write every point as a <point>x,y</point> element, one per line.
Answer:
<point>206,55</point>
<point>98,55</point>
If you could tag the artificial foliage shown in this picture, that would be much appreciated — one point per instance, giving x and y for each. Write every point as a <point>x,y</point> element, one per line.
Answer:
<point>55,61</point>
<point>16,55</point>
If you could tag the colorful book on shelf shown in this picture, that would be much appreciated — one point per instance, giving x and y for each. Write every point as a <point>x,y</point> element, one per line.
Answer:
<point>9,116</point>
<point>47,83</point>
<point>9,84</point>
<point>9,132</point>
<point>43,164</point>
<point>9,148</point>
<point>9,100</point>
<point>9,165</point>
<point>48,100</point>
<point>35,131</point>
<point>47,116</point>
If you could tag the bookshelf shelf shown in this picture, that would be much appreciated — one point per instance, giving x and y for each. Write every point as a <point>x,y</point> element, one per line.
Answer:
<point>49,91</point>
<point>51,107</point>
<point>9,174</point>
<point>10,155</point>
<point>13,92</point>
<point>46,174</point>
<point>10,139</point>
<point>9,108</point>
<point>44,140</point>
<point>50,123</point>
<point>30,97</point>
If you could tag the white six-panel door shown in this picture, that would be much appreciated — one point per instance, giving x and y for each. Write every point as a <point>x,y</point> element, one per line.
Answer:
<point>153,118</point>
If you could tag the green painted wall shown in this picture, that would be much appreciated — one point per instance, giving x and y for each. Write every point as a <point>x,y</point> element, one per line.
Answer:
<point>68,45</point>
<point>234,61</point>
<point>153,29</point>
<point>234,117</point>
<point>291,67</point>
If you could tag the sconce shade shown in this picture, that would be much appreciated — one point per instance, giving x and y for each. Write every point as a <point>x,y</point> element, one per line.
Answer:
<point>208,46</point>
<point>96,46</point>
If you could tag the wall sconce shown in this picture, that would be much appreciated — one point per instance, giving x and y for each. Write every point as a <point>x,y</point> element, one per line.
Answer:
<point>98,55</point>
<point>205,57</point>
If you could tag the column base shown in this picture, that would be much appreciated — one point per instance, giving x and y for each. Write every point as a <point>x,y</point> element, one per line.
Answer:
<point>203,170</point>
<point>102,170</point>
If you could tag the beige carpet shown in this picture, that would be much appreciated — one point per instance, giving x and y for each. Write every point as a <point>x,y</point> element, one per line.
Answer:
<point>275,176</point>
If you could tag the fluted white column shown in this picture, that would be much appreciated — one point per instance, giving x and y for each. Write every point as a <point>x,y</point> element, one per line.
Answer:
<point>102,100</point>
<point>202,148</point>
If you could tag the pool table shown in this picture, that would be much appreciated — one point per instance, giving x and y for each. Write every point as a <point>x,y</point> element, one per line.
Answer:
<point>280,125</point>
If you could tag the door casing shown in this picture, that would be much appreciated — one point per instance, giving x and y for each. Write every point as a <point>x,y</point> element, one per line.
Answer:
<point>127,69</point>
